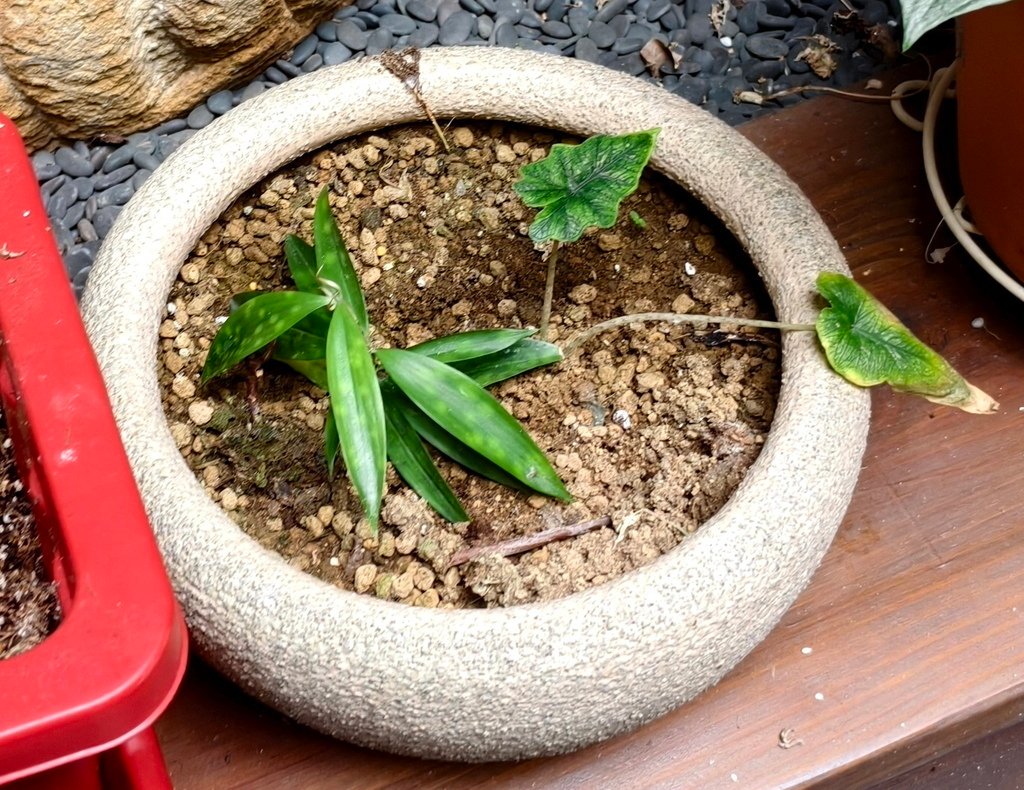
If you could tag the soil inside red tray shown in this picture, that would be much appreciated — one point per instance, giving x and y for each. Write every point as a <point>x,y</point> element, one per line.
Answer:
<point>28,602</point>
<point>651,425</point>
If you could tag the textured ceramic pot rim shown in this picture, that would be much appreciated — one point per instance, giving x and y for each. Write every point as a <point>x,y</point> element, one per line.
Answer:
<point>508,683</point>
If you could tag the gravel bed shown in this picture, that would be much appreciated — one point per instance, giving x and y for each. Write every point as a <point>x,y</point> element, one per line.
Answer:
<point>705,51</point>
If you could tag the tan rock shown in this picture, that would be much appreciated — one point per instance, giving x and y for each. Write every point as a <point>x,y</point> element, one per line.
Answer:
<point>134,63</point>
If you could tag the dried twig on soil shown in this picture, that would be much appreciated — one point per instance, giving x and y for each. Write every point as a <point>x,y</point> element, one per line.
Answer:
<point>508,548</point>
<point>405,65</point>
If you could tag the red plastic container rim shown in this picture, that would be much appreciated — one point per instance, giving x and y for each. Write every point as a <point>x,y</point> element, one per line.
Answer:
<point>116,659</point>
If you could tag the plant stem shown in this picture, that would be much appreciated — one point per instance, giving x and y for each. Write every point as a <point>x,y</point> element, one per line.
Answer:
<point>549,290</point>
<point>676,318</point>
<point>433,120</point>
<point>507,548</point>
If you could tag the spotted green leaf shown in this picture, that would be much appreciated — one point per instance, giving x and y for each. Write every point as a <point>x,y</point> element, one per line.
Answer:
<point>414,464</point>
<point>301,263</point>
<point>333,264</point>
<point>313,369</point>
<point>471,414</point>
<point>297,343</point>
<point>358,410</point>
<point>444,442</point>
<point>332,444</point>
<point>920,16</point>
<point>866,344</point>
<point>257,322</point>
<point>525,355</point>
<point>581,186</point>
<point>469,345</point>
<point>303,347</point>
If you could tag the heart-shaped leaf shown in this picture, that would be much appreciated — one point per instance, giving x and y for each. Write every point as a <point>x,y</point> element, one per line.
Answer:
<point>471,414</point>
<point>581,186</point>
<point>867,345</point>
<point>358,410</point>
<point>257,322</point>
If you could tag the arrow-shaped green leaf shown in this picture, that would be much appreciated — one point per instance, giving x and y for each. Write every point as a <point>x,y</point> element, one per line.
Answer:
<point>444,442</point>
<point>525,355</point>
<point>581,186</point>
<point>472,344</point>
<point>302,264</point>
<point>866,344</point>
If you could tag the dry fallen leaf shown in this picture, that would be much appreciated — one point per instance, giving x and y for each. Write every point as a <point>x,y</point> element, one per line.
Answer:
<point>655,55</point>
<point>818,55</point>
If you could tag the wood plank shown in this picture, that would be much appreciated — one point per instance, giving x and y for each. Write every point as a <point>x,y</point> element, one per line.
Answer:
<point>910,632</point>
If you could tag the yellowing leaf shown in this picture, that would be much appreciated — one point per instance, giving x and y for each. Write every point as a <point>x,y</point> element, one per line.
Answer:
<point>866,344</point>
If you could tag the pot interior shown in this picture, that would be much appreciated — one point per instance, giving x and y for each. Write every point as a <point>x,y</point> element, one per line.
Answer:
<point>651,425</point>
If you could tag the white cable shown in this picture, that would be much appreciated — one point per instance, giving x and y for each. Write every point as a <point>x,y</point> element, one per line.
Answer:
<point>942,81</point>
<point>958,212</point>
<point>896,102</point>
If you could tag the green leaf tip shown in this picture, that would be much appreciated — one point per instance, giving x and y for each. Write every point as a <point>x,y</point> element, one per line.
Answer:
<point>867,345</point>
<point>334,268</point>
<point>256,322</point>
<point>581,186</point>
<point>413,463</point>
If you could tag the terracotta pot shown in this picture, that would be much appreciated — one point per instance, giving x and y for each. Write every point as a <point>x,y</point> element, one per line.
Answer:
<point>502,683</point>
<point>990,128</point>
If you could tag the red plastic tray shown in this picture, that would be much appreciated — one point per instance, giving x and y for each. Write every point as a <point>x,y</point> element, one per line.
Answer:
<point>96,684</point>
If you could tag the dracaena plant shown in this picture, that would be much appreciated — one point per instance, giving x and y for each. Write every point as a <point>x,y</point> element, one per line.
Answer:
<point>578,187</point>
<point>385,402</point>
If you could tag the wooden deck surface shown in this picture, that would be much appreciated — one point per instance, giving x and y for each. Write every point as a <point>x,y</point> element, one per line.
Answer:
<point>908,643</point>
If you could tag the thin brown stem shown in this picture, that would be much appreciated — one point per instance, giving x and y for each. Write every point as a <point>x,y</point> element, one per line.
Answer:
<point>676,318</point>
<point>549,290</point>
<point>433,120</point>
<point>508,548</point>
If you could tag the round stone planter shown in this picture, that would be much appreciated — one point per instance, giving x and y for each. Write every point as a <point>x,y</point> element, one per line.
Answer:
<point>504,683</point>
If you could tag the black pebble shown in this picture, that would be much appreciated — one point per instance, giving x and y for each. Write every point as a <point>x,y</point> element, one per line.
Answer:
<point>107,180</point>
<point>763,46</point>
<point>602,34</point>
<point>351,35</point>
<point>700,29</point>
<point>72,162</point>
<point>611,10</point>
<point>423,11</point>
<point>425,35</point>
<point>378,41</point>
<point>556,29</point>
<point>587,50</point>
